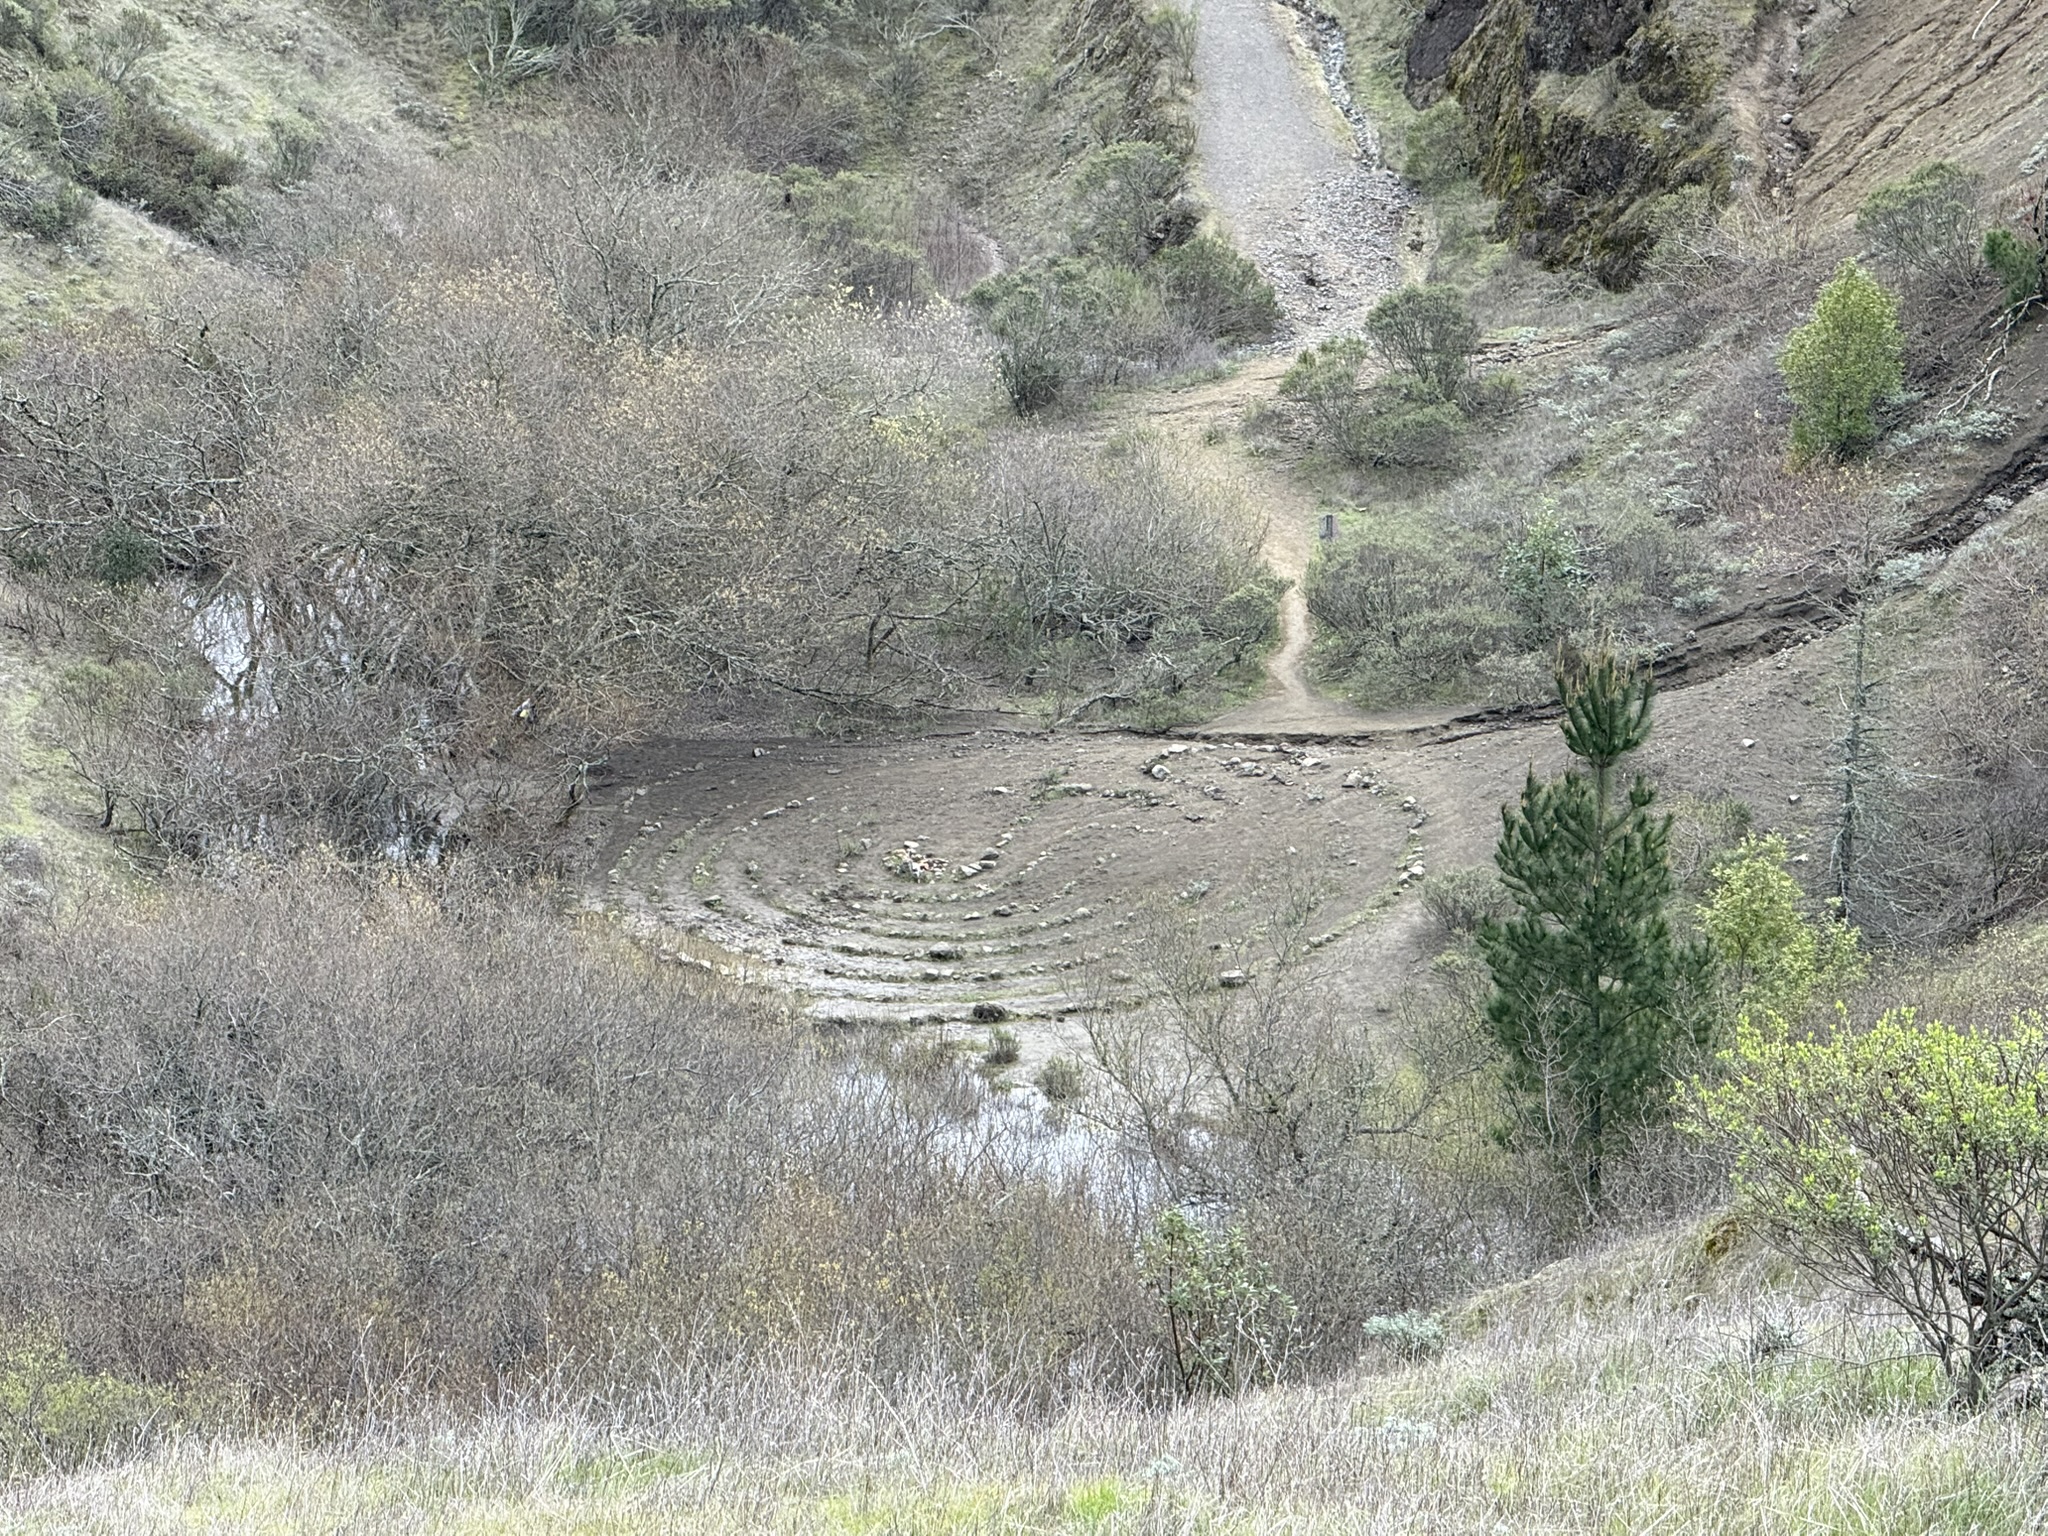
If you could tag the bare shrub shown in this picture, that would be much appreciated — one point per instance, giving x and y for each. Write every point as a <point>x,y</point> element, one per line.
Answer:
<point>1151,571</point>
<point>704,101</point>
<point>1271,1105</point>
<point>319,1148</point>
<point>1956,834</point>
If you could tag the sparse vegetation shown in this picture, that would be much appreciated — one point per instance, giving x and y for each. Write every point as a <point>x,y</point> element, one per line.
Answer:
<point>1905,1161</point>
<point>562,570</point>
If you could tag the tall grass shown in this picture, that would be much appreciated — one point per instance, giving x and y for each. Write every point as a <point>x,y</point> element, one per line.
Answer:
<point>1649,1388</point>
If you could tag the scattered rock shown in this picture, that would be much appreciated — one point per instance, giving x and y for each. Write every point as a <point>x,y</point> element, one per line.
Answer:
<point>1233,979</point>
<point>990,1013</point>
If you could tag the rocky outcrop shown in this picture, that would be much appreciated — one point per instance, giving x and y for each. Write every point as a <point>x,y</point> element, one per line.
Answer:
<point>1444,26</point>
<point>1589,113</point>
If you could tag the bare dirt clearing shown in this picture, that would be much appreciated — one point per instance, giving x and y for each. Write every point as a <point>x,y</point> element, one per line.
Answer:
<point>914,881</point>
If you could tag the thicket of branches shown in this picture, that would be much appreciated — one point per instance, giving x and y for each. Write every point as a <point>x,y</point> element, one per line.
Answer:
<point>466,473</point>
<point>311,1148</point>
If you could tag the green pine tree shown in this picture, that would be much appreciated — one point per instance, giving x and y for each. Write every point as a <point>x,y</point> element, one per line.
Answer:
<point>1593,996</point>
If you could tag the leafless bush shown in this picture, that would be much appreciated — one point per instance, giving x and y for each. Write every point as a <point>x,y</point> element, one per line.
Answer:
<point>1114,578</point>
<point>659,256</point>
<point>1259,1095</point>
<point>320,1148</point>
<point>1957,814</point>
<point>958,254</point>
<point>709,101</point>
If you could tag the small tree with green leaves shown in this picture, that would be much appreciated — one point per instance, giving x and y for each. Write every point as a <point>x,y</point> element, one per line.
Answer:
<point>1228,1325</point>
<point>1841,364</point>
<point>1545,575</point>
<point>1906,1163</point>
<point>1427,336</point>
<point>1595,1000</point>
<point>1773,957</point>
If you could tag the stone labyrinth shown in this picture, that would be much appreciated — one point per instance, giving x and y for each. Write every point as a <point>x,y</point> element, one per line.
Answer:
<point>994,876</point>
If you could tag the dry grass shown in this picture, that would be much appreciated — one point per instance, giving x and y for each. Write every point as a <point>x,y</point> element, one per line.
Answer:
<point>1621,1393</point>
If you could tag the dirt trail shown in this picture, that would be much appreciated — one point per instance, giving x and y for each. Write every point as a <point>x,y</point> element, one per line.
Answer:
<point>1284,171</point>
<point>1279,161</point>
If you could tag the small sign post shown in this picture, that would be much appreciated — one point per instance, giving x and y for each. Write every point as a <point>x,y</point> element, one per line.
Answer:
<point>1329,527</point>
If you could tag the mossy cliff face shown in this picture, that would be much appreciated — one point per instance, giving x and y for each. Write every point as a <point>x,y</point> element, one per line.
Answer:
<point>1589,113</point>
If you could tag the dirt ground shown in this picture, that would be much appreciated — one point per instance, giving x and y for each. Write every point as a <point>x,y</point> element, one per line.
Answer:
<point>1053,858</point>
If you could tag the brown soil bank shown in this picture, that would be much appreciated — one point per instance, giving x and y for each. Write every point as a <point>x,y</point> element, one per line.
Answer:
<point>1897,83</point>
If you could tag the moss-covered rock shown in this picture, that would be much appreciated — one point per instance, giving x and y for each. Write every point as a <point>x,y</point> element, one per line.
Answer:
<point>1588,113</point>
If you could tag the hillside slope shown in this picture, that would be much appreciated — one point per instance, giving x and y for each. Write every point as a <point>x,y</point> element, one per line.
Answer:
<point>1650,1387</point>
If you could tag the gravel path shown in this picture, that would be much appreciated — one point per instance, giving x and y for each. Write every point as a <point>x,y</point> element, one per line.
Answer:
<point>1285,171</point>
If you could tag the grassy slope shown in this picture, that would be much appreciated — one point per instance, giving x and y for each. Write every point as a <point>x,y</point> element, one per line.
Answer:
<point>1614,1393</point>
<point>230,71</point>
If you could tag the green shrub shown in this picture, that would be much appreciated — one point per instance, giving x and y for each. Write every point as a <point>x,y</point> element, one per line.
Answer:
<point>866,228</point>
<point>1394,431</point>
<point>1411,1335</point>
<point>1463,899</point>
<point>1070,325</point>
<point>1442,149</point>
<point>35,200</point>
<point>1927,226</point>
<point>1845,361</point>
<point>295,146</point>
<point>1130,202</point>
<point>1247,618</point>
<point>128,148</point>
<point>2021,267</point>
<point>55,1416</point>
<point>1003,1049</point>
<point>1061,1080</point>
<point>1408,607</point>
<point>29,26</point>
<point>1427,335</point>
<point>1909,1164</point>
<point>1216,292</point>
<point>1325,379</point>
<point>1396,424</point>
<point>1772,956</point>
<point>126,555</point>
<point>118,51</point>
<point>1546,578</point>
<point>1229,1326</point>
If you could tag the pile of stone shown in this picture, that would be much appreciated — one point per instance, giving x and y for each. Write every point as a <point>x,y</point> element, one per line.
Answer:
<point>910,862</point>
